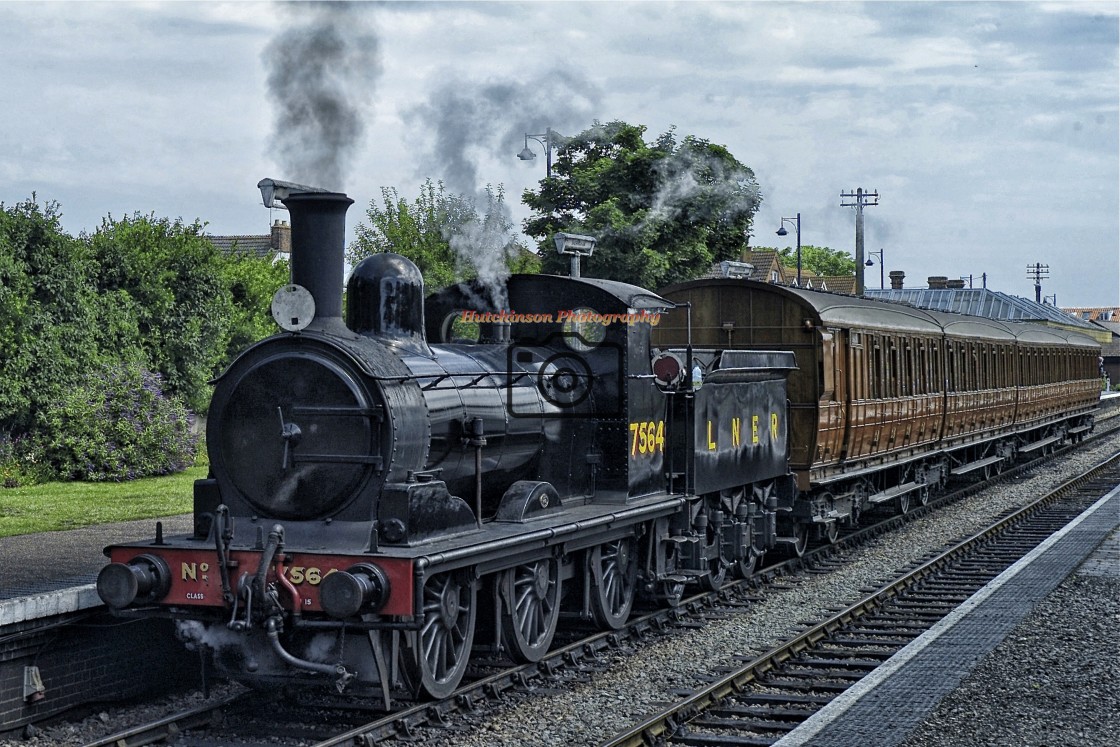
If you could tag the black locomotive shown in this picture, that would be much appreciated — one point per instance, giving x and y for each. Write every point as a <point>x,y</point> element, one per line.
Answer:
<point>391,490</point>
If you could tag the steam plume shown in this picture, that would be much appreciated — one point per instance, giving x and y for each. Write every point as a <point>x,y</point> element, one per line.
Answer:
<point>321,79</point>
<point>471,120</point>
<point>470,123</point>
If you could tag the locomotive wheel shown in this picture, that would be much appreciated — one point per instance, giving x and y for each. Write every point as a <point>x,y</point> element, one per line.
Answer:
<point>904,503</point>
<point>670,593</point>
<point>614,581</point>
<point>532,592</point>
<point>434,659</point>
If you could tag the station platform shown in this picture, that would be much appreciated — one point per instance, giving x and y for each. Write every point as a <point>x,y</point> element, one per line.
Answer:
<point>901,703</point>
<point>51,572</point>
<point>59,647</point>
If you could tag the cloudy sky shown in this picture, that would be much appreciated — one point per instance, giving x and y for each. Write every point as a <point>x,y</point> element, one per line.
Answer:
<point>989,129</point>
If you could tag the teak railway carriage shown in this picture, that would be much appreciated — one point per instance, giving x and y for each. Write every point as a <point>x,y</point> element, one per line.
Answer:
<point>889,401</point>
<point>385,497</point>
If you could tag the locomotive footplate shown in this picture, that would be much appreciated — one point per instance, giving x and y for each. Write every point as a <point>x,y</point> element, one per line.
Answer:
<point>190,568</point>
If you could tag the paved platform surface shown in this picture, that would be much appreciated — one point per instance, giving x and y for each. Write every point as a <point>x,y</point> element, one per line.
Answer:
<point>885,707</point>
<point>52,572</point>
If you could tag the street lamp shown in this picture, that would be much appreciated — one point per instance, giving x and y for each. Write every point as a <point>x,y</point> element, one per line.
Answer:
<point>551,139</point>
<point>869,263</point>
<point>782,232</point>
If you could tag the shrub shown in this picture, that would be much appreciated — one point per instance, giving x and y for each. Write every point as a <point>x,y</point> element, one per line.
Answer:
<point>116,425</point>
<point>18,465</point>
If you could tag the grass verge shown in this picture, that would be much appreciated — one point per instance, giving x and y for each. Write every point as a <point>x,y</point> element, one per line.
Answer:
<point>67,505</point>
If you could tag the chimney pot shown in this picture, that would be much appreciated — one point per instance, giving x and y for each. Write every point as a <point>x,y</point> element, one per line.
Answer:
<point>281,237</point>
<point>897,277</point>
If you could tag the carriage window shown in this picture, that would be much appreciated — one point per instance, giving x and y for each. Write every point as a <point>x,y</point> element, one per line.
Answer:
<point>912,383</point>
<point>893,385</point>
<point>877,371</point>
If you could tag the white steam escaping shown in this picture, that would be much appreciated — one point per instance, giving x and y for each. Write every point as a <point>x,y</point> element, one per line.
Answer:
<point>694,183</point>
<point>470,122</point>
<point>487,246</point>
<point>321,80</point>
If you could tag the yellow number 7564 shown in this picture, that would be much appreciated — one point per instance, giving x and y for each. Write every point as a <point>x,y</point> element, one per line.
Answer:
<point>647,438</point>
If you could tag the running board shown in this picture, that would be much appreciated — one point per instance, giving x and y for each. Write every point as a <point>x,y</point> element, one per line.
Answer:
<point>896,491</point>
<point>1039,444</point>
<point>964,469</point>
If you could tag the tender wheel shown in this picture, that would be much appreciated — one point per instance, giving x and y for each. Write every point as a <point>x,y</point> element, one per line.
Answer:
<point>716,578</point>
<point>904,503</point>
<point>831,532</point>
<point>532,592</point>
<point>923,495</point>
<point>434,659</point>
<point>802,535</point>
<point>614,581</point>
<point>745,568</point>
<point>717,569</point>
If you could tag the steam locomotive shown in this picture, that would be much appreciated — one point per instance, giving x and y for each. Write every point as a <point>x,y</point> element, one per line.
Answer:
<point>426,478</point>
<point>391,490</point>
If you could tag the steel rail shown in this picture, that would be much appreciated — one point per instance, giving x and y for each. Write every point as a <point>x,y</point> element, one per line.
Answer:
<point>667,721</point>
<point>170,726</point>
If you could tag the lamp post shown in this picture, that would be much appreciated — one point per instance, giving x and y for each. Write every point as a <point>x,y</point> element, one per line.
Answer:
<point>575,246</point>
<point>782,232</point>
<point>869,263</point>
<point>550,140</point>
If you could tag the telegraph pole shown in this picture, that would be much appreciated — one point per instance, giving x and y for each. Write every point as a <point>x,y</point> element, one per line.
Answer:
<point>1038,271</point>
<point>862,199</point>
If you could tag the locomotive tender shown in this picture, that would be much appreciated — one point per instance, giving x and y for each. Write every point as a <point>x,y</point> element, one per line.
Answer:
<point>385,495</point>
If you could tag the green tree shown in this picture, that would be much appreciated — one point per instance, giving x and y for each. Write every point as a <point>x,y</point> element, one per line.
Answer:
<point>170,275</point>
<point>252,282</point>
<point>444,234</point>
<point>820,259</point>
<point>143,312</point>
<point>661,212</point>
<point>50,314</point>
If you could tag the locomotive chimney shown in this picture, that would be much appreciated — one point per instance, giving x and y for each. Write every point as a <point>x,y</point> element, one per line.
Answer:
<point>318,219</point>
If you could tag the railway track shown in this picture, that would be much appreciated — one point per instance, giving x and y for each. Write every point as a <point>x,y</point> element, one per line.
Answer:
<point>769,696</point>
<point>487,682</point>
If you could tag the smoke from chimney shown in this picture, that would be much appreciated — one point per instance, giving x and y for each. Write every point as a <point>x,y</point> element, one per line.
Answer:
<point>322,73</point>
<point>468,124</point>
